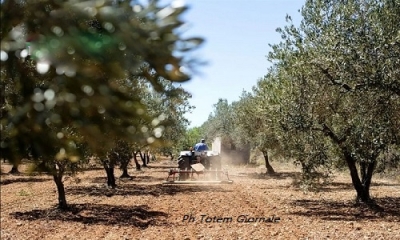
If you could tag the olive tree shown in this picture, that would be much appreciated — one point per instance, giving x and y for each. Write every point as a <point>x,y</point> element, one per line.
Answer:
<point>65,60</point>
<point>222,123</point>
<point>254,117</point>
<point>341,70</point>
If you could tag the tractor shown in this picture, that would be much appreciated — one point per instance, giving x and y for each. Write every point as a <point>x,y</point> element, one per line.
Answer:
<point>198,167</point>
<point>209,159</point>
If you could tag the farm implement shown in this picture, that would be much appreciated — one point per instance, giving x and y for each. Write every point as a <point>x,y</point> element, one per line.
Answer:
<point>198,168</point>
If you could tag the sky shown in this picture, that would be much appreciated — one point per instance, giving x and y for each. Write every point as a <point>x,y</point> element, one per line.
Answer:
<point>237,34</point>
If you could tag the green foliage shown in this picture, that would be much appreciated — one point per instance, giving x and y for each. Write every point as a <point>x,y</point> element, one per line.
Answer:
<point>343,89</point>
<point>190,138</point>
<point>173,106</point>
<point>331,98</point>
<point>221,123</point>
<point>79,71</point>
<point>255,116</point>
<point>340,85</point>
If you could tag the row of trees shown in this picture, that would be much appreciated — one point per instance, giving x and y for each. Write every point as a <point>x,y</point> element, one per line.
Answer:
<point>90,78</point>
<point>332,95</point>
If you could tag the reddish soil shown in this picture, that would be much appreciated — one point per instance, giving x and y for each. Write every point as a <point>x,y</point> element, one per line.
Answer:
<point>255,206</point>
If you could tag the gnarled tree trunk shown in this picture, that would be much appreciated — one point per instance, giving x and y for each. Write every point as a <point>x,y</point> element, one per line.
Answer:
<point>362,185</point>
<point>125,173</point>
<point>109,168</point>
<point>147,155</point>
<point>57,177</point>
<point>270,169</point>
<point>136,161</point>
<point>14,169</point>
<point>124,168</point>
<point>144,158</point>
<point>110,176</point>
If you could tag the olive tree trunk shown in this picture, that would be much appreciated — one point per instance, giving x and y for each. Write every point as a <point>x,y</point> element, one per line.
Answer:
<point>14,169</point>
<point>270,169</point>
<point>57,177</point>
<point>125,173</point>
<point>143,156</point>
<point>124,168</point>
<point>136,161</point>
<point>110,176</point>
<point>361,185</point>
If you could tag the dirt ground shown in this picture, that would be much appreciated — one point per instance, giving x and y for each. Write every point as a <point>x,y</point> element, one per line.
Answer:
<point>255,206</point>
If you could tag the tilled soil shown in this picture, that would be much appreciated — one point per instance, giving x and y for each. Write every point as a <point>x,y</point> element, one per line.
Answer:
<point>255,206</point>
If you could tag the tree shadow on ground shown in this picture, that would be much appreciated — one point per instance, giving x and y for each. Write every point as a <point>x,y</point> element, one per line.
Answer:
<point>25,173</point>
<point>335,186</point>
<point>141,189</point>
<point>141,178</point>
<point>162,167</point>
<point>350,211</point>
<point>137,216</point>
<point>24,180</point>
<point>328,187</point>
<point>375,184</point>
<point>276,175</point>
<point>174,189</point>
<point>92,169</point>
<point>146,178</point>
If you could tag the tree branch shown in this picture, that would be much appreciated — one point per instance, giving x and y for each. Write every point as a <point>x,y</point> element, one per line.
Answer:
<point>333,136</point>
<point>394,88</point>
<point>332,79</point>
